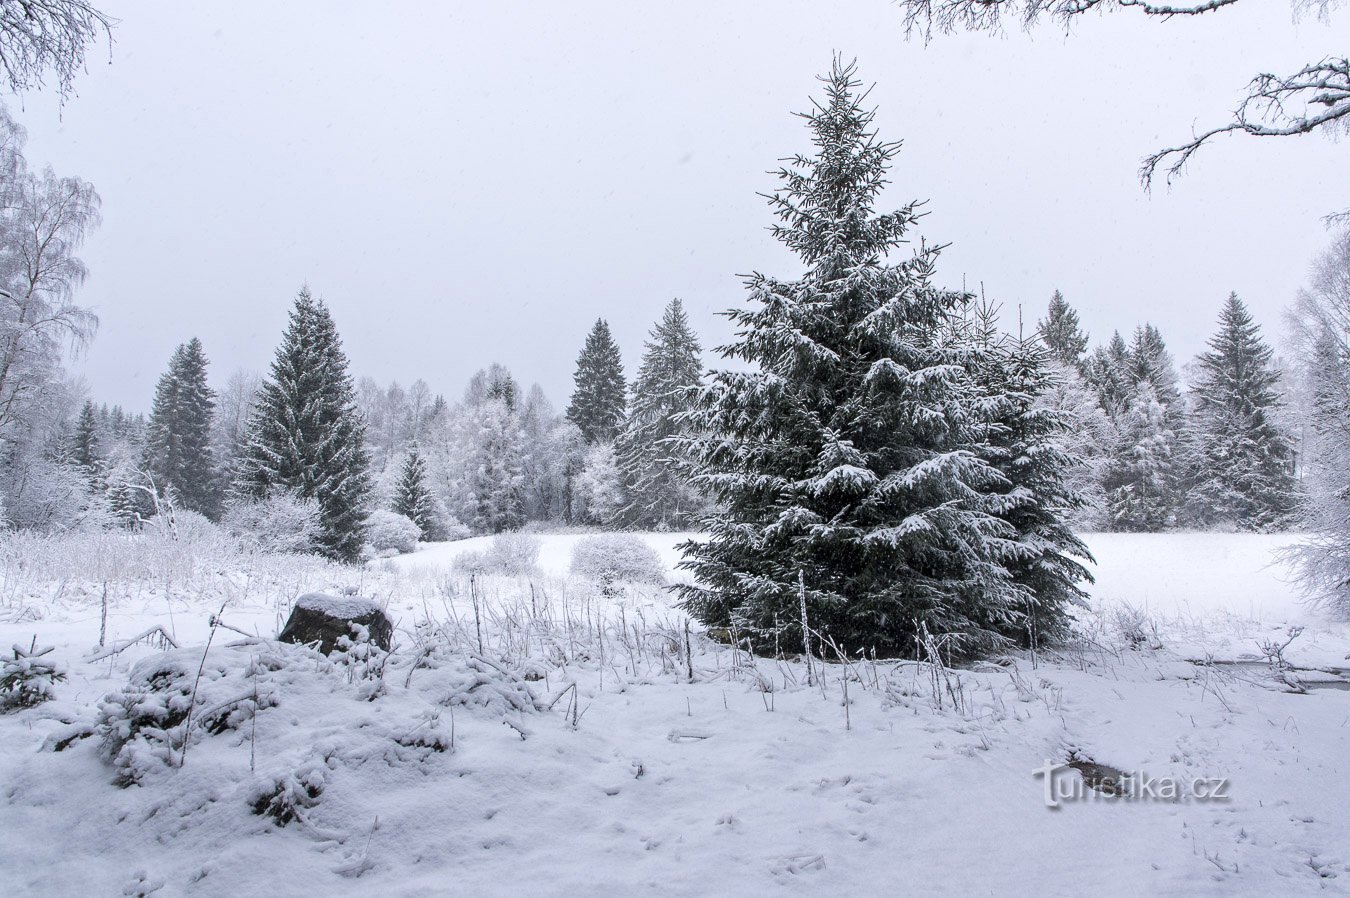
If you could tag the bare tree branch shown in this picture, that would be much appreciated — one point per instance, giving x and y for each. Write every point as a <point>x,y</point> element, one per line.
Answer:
<point>947,16</point>
<point>1317,96</point>
<point>37,36</point>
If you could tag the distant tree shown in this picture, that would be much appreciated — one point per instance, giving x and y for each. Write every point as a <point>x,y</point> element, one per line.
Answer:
<point>598,495</point>
<point>599,399</point>
<point>84,450</point>
<point>306,436</point>
<point>660,494</point>
<point>1245,473</point>
<point>1107,371</point>
<point>1141,478</point>
<point>412,497</point>
<point>178,450</point>
<point>491,465</point>
<point>1151,363</point>
<point>1061,334</point>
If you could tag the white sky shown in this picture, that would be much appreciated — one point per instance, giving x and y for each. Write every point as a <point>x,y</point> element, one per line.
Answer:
<point>469,183</point>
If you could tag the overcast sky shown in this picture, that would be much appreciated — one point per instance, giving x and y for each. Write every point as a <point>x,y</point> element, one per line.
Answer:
<point>468,183</point>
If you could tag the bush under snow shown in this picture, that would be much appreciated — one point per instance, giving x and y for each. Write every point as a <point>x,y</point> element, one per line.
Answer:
<point>390,533</point>
<point>281,522</point>
<point>617,556</point>
<point>509,554</point>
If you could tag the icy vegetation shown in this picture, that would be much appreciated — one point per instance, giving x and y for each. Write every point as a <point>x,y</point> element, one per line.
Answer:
<point>559,734</point>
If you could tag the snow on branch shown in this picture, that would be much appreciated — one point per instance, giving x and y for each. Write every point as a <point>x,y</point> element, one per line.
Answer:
<point>1317,96</point>
<point>987,15</point>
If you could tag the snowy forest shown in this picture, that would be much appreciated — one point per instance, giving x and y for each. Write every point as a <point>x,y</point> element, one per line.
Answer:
<point>873,532</point>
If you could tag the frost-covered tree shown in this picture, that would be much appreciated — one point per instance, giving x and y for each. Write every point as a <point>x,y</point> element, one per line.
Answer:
<point>306,435</point>
<point>598,496</point>
<point>1061,333</point>
<point>178,450</point>
<point>84,449</point>
<point>1107,371</point>
<point>1090,437</point>
<point>1245,470</point>
<point>1151,363</point>
<point>1026,444</point>
<point>482,467</point>
<point>847,460</point>
<point>1141,478</point>
<point>599,397</point>
<point>659,492</point>
<point>412,497</point>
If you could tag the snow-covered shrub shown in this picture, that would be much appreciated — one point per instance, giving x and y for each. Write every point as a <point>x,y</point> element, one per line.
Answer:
<point>28,679</point>
<point>617,556</point>
<point>280,522</point>
<point>287,796</point>
<point>444,526</point>
<point>509,554</point>
<point>390,533</point>
<point>145,725</point>
<point>1136,627</point>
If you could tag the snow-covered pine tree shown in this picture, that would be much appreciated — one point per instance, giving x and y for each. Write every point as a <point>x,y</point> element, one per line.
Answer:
<point>84,449</point>
<point>306,435</point>
<point>1090,437</point>
<point>1244,475</point>
<point>179,455</point>
<point>1025,443</point>
<point>1107,371</point>
<point>1151,363</point>
<point>1061,333</point>
<point>599,397</point>
<point>659,494</point>
<point>412,497</point>
<point>1141,478</point>
<point>848,455</point>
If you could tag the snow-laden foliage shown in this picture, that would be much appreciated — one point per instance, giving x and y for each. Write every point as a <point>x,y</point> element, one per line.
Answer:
<point>509,554</point>
<point>617,556</point>
<point>412,496</point>
<point>179,456</point>
<point>1244,465</point>
<point>597,492</point>
<point>390,533</point>
<point>28,678</point>
<point>1061,333</point>
<point>849,460</point>
<point>659,494</point>
<point>306,434</point>
<point>280,521</point>
<point>599,397</point>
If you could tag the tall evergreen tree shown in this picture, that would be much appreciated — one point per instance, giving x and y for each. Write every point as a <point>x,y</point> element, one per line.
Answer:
<point>658,491</point>
<point>598,400</point>
<point>85,450</point>
<point>491,454</point>
<point>178,447</point>
<point>1151,363</point>
<point>1141,478</point>
<point>412,497</point>
<point>1107,371</point>
<point>848,458</point>
<point>1245,463</point>
<point>306,435</point>
<point>1025,443</point>
<point>1062,335</point>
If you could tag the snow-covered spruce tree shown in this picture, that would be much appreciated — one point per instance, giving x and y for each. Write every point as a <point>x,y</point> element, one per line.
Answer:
<point>306,435</point>
<point>1244,474</point>
<point>1025,443</point>
<point>1141,478</point>
<point>850,454</point>
<point>179,455</point>
<point>1090,436</point>
<point>489,467</point>
<point>660,495</point>
<point>412,497</point>
<point>84,450</point>
<point>1107,371</point>
<point>1061,334</point>
<point>598,399</point>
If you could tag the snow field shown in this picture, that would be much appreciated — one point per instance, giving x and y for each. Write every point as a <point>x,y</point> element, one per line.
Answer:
<point>540,735</point>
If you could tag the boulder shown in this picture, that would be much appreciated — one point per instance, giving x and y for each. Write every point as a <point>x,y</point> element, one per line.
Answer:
<point>322,618</point>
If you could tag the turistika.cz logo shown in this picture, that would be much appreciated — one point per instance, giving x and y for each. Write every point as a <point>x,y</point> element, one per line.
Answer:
<point>1079,780</point>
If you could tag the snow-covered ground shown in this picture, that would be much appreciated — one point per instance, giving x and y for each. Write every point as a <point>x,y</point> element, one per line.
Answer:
<point>541,736</point>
